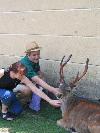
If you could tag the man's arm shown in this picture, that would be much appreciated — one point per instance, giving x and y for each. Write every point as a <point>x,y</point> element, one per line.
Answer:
<point>42,83</point>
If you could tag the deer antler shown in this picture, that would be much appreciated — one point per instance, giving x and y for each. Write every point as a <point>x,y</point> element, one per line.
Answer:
<point>61,68</point>
<point>72,84</point>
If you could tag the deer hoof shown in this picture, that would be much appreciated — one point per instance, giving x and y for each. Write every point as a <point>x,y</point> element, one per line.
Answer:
<point>61,123</point>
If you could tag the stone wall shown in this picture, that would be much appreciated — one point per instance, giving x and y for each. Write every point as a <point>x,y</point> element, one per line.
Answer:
<point>61,27</point>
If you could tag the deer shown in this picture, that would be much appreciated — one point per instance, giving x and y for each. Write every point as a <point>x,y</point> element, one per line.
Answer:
<point>78,114</point>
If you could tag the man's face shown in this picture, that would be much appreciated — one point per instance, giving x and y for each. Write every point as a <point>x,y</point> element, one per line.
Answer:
<point>34,56</point>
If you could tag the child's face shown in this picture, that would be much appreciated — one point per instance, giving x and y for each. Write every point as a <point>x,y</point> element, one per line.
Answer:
<point>34,56</point>
<point>19,75</point>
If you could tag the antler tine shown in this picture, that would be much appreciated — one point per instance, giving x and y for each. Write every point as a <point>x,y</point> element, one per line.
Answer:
<point>67,60</point>
<point>62,66</point>
<point>72,84</point>
<point>85,70</point>
<point>62,60</point>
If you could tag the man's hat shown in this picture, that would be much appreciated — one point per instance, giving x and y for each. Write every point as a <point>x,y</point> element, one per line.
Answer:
<point>33,46</point>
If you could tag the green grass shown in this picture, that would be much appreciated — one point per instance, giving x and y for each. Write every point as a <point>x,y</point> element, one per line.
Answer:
<point>29,122</point>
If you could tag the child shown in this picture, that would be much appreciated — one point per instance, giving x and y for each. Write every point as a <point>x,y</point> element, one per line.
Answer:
<point>9,79</point>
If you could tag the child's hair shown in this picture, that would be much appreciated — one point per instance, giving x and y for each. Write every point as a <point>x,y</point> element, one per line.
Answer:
<point>18,67</point>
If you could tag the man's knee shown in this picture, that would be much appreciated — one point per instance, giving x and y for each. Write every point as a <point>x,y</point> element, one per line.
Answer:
<point>24,90</point>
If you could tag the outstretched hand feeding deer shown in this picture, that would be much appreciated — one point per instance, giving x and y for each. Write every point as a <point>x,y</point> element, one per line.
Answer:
<point>80,114</point>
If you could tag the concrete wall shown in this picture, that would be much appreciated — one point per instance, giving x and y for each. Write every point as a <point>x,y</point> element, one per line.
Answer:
<point>61,27</point>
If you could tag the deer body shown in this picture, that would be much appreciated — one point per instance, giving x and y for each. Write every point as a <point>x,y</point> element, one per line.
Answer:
<point>78,113</point>
<point>81,114</point>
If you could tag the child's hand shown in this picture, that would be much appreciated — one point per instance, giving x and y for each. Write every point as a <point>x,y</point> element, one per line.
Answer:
<point>55,103</point>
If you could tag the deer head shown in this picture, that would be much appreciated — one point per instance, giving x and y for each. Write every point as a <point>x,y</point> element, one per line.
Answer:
<point>67,88</point>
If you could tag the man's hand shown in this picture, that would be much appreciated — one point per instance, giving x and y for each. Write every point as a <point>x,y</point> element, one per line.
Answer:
<point>55,103</point>
<point>56,91</point>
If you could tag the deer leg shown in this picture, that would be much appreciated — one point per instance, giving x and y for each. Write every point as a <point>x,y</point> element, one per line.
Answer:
<point>61,123</point>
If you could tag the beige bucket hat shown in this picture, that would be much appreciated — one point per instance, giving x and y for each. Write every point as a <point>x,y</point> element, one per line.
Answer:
<point>33,46</point>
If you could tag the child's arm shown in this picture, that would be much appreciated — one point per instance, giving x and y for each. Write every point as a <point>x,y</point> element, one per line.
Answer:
<point>34,89</point>
<point>1,72</point>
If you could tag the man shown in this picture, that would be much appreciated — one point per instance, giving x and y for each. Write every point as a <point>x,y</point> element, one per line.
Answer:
<point>31,62</point>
